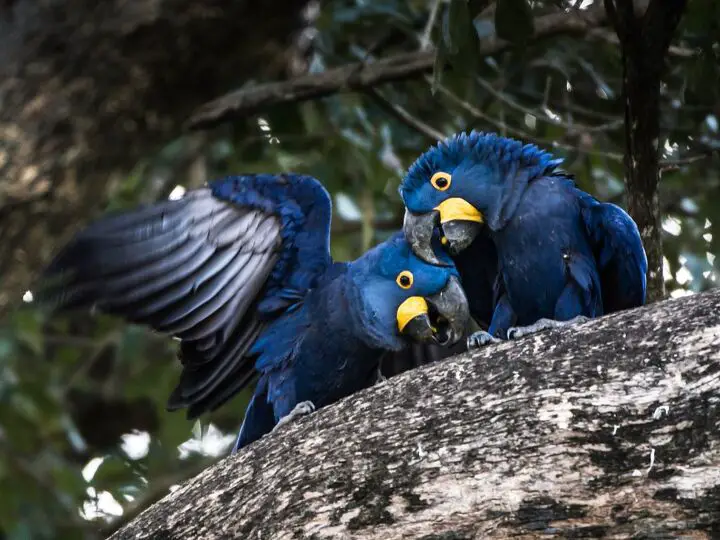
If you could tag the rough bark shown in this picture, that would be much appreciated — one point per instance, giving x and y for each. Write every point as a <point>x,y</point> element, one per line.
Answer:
<point>608,431</point>
<point>88,88</point>
<point>645,36</point>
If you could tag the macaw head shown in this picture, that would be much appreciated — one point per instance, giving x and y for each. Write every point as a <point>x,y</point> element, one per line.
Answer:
<point>466,182</point>
<point>403,297</point>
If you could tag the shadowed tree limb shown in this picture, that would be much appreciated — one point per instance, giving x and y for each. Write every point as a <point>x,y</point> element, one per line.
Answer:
<point>609,430</point>
<point>359,76</point>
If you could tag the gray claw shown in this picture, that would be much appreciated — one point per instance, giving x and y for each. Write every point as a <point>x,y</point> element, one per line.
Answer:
<point>301,409</point>
<point>480,339</point>
<point>516,332</point>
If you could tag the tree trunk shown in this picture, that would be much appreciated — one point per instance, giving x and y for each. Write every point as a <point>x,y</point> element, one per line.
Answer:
<point>610,430</point>
<point>88,88</point>
<point>645,35</point>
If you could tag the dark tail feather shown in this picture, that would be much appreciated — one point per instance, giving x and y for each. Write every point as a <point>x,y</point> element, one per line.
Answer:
<point>259,418</point>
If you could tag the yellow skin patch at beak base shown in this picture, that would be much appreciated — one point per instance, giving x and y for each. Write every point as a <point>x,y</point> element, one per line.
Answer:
<point>409,309</point>
<point>459,209</point>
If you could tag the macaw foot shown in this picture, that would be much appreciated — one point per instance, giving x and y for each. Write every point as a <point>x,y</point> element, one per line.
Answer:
<point>516,332</point>
<point>480,339</point>
<point>301,409</point>
<point>380,377</point>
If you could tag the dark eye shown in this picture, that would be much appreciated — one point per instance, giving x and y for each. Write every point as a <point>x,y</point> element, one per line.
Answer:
<point>404,279</point>
<point>441,181</point>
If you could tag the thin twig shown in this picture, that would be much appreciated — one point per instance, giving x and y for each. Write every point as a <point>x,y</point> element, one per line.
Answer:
<point>502,96</point>
<point>425,40</point>
<point>405,117</point>
<point>672,165</point>
<point>564,107</point>
<point>515,132</point>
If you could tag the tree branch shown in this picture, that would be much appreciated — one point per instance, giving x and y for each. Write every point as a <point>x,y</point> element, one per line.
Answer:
<point>612,430</point>
<point>575,127</point>
<point>156,491</point>
<point>359,76</point>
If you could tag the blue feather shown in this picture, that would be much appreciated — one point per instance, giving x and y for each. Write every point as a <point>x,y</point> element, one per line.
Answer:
<point>503,153</point>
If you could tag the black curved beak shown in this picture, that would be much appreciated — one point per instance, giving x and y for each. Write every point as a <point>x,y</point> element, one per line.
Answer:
<point>460,234</point>
<point>442,318</point>
<point>418,229</point>
<point>459,221</point>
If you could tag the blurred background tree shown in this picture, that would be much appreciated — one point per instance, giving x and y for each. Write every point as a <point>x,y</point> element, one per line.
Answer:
<point>95,105</point>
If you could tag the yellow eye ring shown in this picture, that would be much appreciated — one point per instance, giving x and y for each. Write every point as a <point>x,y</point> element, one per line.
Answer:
<point>441,181</point>
<point>404,279</point>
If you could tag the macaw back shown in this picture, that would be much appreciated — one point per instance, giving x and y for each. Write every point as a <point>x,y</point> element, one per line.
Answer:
<point>546,261</point>
<point>318,353</point>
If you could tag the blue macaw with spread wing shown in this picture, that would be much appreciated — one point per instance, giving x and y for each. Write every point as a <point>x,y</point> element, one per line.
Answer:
<point>562,256</point>
<point>240,272</point>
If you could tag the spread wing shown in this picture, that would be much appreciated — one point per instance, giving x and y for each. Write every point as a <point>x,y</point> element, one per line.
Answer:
<point>619,254</point>
<point>192,268</point>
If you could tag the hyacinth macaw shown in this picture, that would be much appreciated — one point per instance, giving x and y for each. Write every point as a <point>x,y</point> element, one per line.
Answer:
<point>240,272</point>
<point>563,257</point>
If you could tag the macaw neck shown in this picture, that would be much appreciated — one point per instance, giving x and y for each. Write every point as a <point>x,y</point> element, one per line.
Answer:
<point>375,321</point>
<point>344,316</point>
<point>504,187</point>
<point>321,341</point>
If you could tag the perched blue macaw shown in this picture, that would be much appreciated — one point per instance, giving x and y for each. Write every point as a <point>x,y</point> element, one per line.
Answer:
<point>562,256</point>
<point>240,272</point>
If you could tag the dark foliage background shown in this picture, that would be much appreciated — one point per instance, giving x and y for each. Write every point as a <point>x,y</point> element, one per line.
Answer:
<point>85,442</point>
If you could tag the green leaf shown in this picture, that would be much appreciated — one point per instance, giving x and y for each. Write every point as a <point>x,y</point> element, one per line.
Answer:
<point>28,330</point>
<point>459,36</point>
<point>456,26</point>
<point>312,118</point>
<point>175,430</point>
<point>514,21</point>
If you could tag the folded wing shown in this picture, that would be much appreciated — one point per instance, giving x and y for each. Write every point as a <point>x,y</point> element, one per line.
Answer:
<point>619,254</point>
